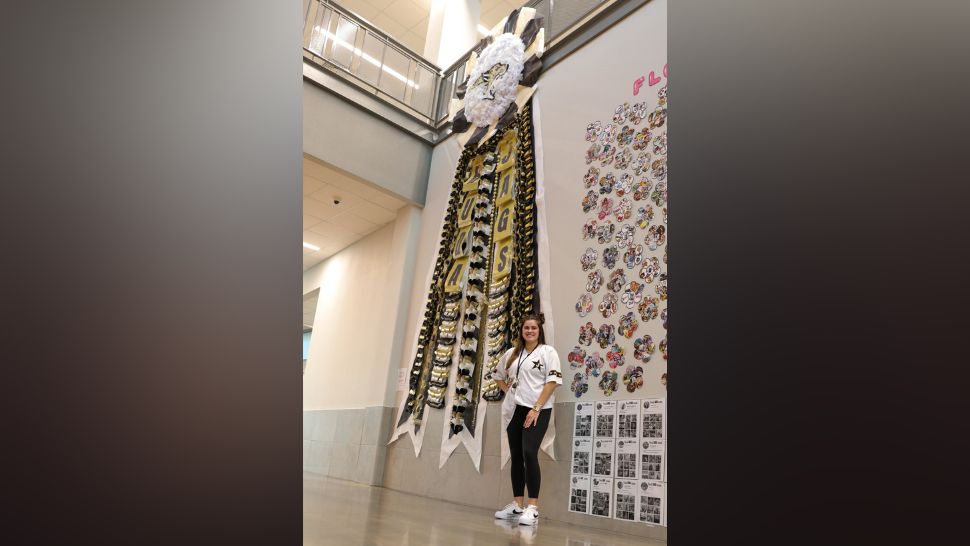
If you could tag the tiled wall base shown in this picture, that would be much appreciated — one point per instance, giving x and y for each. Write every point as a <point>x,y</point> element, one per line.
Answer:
<point>347,444</point>
<point>459,482</point>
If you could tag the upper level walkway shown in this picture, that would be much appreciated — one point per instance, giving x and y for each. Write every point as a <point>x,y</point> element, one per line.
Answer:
<point>362,85</point>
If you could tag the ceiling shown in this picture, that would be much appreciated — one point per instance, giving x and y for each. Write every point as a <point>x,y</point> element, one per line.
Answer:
<point>407,20</point>
<point>363,209</point>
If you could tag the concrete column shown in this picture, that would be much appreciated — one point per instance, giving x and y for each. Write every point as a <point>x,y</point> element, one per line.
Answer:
<point>404,249</point>
<point>452,30</point>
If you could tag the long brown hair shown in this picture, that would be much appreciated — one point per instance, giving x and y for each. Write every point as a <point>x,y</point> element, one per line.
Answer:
<point>520,341</point>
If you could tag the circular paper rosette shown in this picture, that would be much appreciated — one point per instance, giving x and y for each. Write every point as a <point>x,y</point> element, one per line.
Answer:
<point>501,75</point>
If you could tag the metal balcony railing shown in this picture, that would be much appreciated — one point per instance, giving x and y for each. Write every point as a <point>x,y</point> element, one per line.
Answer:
<point>559,18</point>
<point>349,46</point>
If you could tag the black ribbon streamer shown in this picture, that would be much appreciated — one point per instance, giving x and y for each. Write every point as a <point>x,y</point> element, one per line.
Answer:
<point>530,71</point>
<point>460,124</point>
<point>508,117</point>
<point>477,136</point>
<point>530,31</point>
<point>511,21</point>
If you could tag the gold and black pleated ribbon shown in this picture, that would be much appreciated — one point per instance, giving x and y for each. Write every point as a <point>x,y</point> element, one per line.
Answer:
<point>479,270</point>
<point>419,380</point>
<point>525,291</point>
<point>517,295</point>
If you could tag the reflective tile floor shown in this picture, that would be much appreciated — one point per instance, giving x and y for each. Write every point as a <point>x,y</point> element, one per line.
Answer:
<point>350,514</point>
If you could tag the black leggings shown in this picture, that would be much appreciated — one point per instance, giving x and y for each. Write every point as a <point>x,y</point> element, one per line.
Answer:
<point>524,445</point>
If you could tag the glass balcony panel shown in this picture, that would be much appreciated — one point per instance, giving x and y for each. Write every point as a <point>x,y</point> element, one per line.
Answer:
<point>423,94</point>
<point>317,25</point>
<point>372,50</point>
<point>342,50</point>
<point>394,79</point>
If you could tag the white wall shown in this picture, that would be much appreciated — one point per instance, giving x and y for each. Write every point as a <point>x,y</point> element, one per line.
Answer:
<point>359,322</point>
<point>586,87</point>
<point>348,362</point>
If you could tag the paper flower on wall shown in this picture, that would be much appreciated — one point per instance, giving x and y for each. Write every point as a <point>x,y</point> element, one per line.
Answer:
<point>501,75</point>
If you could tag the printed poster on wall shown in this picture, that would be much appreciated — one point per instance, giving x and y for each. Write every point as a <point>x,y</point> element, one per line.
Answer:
<point>601,496</point>
<point>583,423</point>
<point>652,502</point>
<point>582,455</point>
<point>628,419</point>
<point>653,413</point>
<point>579,494</point>
<point>606,419</point>
<point>626,464</point>
<point>603,449</point>
<point>625,499</point>
<point>652,464</point>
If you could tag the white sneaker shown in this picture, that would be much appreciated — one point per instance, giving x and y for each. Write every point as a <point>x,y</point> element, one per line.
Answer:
<point>510,510</point>
<point>529,515</point>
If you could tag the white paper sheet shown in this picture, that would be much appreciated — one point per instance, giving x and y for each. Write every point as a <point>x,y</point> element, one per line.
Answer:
<point>625,497</point>
<point>626,460</point>
<point>628,419</point>
<point>653,413</point>
<point>605,419</point>
<point>603,457</point>
<point>652,502</point>
<point>582,456</point>
<point>583,421</point>
<point>579,492</point>
<point>601,497</point>
<point>652,460</point>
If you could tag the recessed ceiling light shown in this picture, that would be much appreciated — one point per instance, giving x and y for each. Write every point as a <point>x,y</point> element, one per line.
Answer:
<point>311,247</point>
<point>482,30</point>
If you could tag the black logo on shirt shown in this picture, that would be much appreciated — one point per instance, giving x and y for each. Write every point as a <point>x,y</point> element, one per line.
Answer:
<point>537,365</point>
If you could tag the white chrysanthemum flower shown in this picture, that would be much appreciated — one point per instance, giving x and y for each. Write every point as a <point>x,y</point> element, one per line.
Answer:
<point>494,82</point>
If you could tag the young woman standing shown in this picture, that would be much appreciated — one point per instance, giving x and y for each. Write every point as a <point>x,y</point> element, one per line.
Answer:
<point>529,373</point>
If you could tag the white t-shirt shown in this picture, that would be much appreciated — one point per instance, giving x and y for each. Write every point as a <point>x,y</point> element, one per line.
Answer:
<point>539,367</point>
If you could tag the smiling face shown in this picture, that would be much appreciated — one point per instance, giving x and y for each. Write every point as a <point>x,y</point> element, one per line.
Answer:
<point>530,332</point>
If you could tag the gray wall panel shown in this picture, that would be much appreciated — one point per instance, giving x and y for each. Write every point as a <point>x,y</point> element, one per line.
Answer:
<point>364,145</point>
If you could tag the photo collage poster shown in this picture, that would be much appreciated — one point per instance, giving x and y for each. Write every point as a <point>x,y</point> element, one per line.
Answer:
<point>653,454</point>
<point>652,464</point>
<point>582,456</point>
<point>603,452</point>
<point>582,459</point>
<point>583,424</point>
<point>626,458</point>
<point>652,502</point>
<point>605,419</point>
<point>625,499</point>
<point>618,465</point>
<point>579,493</point>
<point>601,497</point>
<point>628,419</point>
<point>654,419</point>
